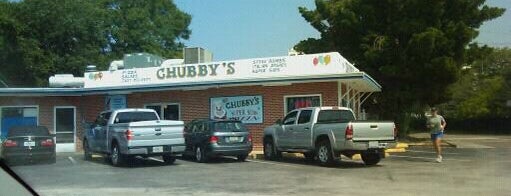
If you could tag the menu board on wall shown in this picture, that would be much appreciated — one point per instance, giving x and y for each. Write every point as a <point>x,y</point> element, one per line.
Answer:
<point>113,102</point>
<point>247,109</point>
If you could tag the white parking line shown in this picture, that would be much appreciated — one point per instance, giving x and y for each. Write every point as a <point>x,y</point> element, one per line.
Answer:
<point>272,163</point>
<point>430,152</point>
<point>72,160</point>
<point>412,157</point>
<point>155,159</point>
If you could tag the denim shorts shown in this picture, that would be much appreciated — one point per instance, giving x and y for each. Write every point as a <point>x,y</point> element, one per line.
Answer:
<point>436,135</point>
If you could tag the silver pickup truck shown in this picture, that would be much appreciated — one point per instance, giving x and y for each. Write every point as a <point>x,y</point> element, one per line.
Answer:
<point>324,133</point>
<point>124,133</point>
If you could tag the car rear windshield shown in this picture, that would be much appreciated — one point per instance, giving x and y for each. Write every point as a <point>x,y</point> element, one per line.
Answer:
<point>28,130</point>
<point>127,117</point>
<point>335,116</point>
<point>230,127</point>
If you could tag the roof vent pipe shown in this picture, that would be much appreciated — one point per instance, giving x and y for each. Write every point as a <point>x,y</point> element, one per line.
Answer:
<point>90,68</point>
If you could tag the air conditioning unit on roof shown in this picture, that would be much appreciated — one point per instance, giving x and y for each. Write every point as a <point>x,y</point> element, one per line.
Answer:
<point>196,55</point>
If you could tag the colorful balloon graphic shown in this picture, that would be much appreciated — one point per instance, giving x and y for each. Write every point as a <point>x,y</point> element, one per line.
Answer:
<point>327,59</point>
<point>321,60</point>
<point>315,61</point>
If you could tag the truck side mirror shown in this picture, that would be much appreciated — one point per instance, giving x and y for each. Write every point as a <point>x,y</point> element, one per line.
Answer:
<point>279,122</point>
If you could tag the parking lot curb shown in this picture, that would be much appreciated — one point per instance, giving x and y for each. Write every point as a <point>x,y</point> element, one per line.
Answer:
<point>394,150</point>
<point>256,154</point>
<point>260,155</point>
<point>444,144</point>
<point>401,145</point>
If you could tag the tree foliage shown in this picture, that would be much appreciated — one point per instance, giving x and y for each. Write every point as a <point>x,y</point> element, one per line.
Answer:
<point>483,89</point>
<point>414,48</point>
<point>40,38</point>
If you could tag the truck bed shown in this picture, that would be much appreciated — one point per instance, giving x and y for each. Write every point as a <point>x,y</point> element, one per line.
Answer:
<point>151,133</point>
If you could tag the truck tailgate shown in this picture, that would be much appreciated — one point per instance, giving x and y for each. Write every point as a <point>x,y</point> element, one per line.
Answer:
<point>162,132</point>
<point>372,131</point>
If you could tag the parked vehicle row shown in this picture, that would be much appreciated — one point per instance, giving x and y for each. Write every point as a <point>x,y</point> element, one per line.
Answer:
<point>123,134</point>
<point>320,133</point>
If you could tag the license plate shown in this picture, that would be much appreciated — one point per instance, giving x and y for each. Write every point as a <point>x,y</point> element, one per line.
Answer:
<point>158,149</point>
<point>234,139</point>
<point>28,143</point>
<point>373,144</point>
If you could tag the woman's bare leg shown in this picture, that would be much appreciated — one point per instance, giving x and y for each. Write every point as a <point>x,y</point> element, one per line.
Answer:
<point>438,148</point>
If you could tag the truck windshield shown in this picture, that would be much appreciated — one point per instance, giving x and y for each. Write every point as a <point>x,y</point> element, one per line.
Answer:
<point>127,117</point>
<point>335,116</point>
<point>229,127</point>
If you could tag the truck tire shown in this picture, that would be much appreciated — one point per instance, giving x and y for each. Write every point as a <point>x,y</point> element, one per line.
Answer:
<point>371,158</point>
<point>168,159</point>
<point>116,157</point>
<point>200,155</point>
<point>242,158</point>
<point>270,151</point>
<point>86,151</point>
<point>324,153</point>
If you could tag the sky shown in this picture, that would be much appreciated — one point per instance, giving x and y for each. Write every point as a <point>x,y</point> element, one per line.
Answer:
<point>238,29</point>
<point>497,32</point>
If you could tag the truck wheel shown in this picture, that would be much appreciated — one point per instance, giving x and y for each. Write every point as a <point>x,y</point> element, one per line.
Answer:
<point>324,153</point>
<point>169,159</point>
<point>371,158</point>
<point>116,157</point>
<point>270,151</point>
<point>242,158</point>
<point>86,151</point>
<point>200,155</point>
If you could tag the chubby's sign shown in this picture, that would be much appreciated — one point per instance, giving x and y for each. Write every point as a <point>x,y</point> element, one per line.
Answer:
<point>224,71</point>
<point>191,71</point>
<point>247,109</point>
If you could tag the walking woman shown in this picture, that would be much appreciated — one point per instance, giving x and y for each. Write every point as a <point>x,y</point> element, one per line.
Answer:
<point>436,124</point>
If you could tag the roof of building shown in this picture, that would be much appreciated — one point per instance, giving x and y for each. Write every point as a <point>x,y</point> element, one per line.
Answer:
<point>325,67</point>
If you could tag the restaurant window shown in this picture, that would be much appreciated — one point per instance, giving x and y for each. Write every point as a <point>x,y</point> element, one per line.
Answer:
<point>301,101</point>
<point>166,111</point>
<point>16,116</point>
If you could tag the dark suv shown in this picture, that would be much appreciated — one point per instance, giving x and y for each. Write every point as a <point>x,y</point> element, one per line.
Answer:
<point>207,138</point>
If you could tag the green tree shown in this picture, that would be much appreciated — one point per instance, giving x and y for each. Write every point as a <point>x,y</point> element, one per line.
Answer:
<point>146,26</point>
<point>40,38</point>
<point>483,89</point>
<point>414,48</point>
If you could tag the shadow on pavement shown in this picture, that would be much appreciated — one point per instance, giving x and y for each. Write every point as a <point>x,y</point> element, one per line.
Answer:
<point>212,160</point>
<point>134,162</point>
<point>413,159</point>
<point>343,164</point>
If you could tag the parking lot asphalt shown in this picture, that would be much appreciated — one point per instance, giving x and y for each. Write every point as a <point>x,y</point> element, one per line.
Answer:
<point>485,171</point>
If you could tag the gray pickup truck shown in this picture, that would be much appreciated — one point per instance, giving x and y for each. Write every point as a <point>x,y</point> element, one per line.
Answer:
<point>124,133</point>
<point>324,133</point>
